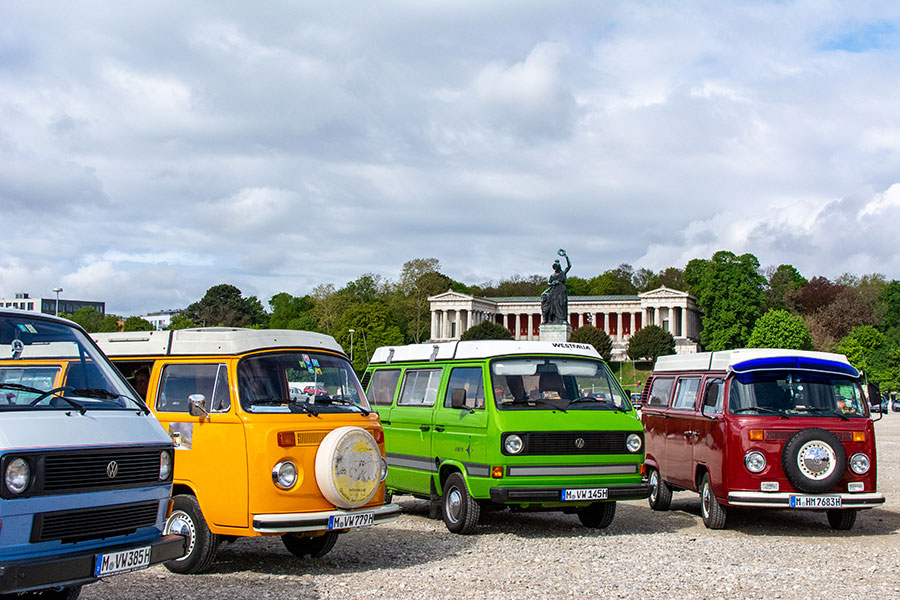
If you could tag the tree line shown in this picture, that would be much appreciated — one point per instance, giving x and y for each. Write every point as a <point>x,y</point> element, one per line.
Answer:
<point>742,305</point>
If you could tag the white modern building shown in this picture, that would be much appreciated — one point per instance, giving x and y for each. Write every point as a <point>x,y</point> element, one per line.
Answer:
<point>161,319</point>
<point>452,313</point>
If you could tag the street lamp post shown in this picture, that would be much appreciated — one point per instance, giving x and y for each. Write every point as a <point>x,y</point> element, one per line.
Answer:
<point>351,345</point>
<point>57,290</point>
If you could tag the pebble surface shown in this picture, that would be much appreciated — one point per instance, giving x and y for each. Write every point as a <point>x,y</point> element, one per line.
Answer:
<point>762,554</point>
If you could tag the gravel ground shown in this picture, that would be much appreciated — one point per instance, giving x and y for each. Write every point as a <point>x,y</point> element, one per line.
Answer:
<point>643,554</point>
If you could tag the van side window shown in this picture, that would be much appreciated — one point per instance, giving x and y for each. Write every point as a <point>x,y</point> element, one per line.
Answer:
<point>686,393</point>
<point>420,387</point>
<point>469,379</point>
<point>659,393</point>
<point>181,381</point>
<point>382,386</point>
<point>715,385</point>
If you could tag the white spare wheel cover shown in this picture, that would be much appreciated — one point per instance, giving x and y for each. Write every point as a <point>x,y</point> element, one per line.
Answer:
<point>348,467</point>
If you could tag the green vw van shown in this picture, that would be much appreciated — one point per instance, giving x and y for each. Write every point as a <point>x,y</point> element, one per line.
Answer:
<point>533,426</point>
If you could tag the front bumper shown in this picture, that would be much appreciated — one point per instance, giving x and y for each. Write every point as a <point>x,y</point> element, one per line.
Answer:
<point>783,499</point>
<point>522,495</point>
<point>78,567</point>
<point>317,521</point>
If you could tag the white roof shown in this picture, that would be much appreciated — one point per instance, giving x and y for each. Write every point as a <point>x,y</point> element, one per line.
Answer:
<point>209,341</point>
<point>724,359</point>
<point>477,349</point>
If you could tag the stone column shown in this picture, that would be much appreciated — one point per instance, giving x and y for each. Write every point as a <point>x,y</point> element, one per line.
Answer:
<point>435,327</point>
<point>445,326</point>
<point>619,326</point>
<point>530,335</point>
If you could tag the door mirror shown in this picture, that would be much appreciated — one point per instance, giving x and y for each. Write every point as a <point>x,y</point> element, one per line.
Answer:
<point>197,405</point>
<point>710,399</point>
<point>874,393</point>
<point>458,398</point>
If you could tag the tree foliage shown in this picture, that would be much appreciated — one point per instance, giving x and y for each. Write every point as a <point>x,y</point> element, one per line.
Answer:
<point>292,312</point>
<point>785,284</point>
<point>780,329</point>
<point>614,282</point>
<point>599,339</point>
<point>224,305</point>
<point>137,324</point>
<point>88,317</point>
<point>650,343</point>
<point>419,279</point>
<point>487,330</point>
<point>181,321</point>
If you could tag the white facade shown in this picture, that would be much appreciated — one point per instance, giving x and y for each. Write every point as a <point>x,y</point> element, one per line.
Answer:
<point>161,319</point>
<point>452,313</point>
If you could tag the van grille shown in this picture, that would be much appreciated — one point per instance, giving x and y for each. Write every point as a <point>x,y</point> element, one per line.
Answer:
<point>77,471</point>
<point>93,523</point>
<point>567,442</point>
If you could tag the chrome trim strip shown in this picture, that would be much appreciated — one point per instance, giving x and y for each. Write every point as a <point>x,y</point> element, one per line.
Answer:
<point>316,521</point>
<point>562,470</point>
<point>783,499</point>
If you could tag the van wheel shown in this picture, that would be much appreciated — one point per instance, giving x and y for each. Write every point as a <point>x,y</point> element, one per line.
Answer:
<point>187,520</point>
<point>314,547</point>
<point>841,519</point>
<point>712,512</point>
<point>460,510</point>
<point>597,515</point>
<point>660,493</point>
<point>814,460</point>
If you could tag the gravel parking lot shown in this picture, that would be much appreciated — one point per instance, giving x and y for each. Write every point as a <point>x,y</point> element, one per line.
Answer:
<point>643,554</point>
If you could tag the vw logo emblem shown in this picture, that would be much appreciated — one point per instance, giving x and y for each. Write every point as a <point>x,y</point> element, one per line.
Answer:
<point>112,469</point>
<point>579,443</point>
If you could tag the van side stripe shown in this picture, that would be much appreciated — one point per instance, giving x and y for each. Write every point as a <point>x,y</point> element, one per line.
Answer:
<point>572,470</point>
<point>407,461</point>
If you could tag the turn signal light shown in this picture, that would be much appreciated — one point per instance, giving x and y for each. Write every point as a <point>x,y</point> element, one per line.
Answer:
<point>859,436</point>
<point>496,472</point>
<point>757,435</point>
<point>643,469</point>
<point>286,439</point>
<point>170,508</point>
<point>378,434</point>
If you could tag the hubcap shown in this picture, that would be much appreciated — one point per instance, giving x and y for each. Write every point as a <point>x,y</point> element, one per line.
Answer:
<point>454,504</point>
<point>816,460</point>
<point>706,500</point>
<point>654,485</point>
<point>181,523</point>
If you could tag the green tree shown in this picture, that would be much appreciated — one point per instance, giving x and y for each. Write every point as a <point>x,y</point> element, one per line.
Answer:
<point>181,321</point>
<point>577,286</point>
<point>373,326</point>
<point>780,329</point>
<point>599,339</point>
<point>890,300</point>
<point>137,324</point>
<point>784,288</point>
<point>487,330</point>
<point>672,278</point>
<point>645,280</point>
<point>329,306</point>
<point>650,343</point>
<point>292,312</point>
<point>110,323</point>
<point>88,317</point>
<point>729,291</point>
<point>860,347</point>
<point>614,282</point>
<point>224,305</point>
<point>419,279</point>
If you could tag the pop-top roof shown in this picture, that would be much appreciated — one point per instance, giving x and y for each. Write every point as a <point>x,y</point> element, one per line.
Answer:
<point>209,341</point>
<point>745,359</point>
<point>477,349</point>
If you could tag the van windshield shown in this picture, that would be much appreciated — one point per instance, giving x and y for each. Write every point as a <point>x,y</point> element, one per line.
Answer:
<point>50,365</point>
<point>555,383</point>
<point>796,393</point>
<point>299,382</point>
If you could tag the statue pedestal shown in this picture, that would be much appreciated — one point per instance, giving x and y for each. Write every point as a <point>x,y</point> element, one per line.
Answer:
<point>555,333</point>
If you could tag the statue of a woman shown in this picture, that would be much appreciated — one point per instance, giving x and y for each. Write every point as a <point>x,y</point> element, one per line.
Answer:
<point>555,300</point>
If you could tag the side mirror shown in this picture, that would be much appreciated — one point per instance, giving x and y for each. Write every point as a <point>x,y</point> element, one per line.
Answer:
<point>458,398</point>
<point>874,393</point>
<point>197,405</point>
<point>710,399</point>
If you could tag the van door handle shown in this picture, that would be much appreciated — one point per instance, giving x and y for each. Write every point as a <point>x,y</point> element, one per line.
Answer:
<point>438,428</point>
<point>424,427</point>
<point>383,422</point>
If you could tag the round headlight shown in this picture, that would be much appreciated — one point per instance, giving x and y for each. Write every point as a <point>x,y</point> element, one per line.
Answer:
<point>165,465</point>
<point>17,475</point>
<point>633,442</point>
<point>284,475</point>
<point>384,469</point>
<point>859,463</point>
<point>755,461</point>
<point>513,444</point>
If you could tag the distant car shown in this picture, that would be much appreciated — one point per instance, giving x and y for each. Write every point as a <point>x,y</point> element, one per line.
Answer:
<point>895,404</point>
<point>636,400</point>
<point>311,390</point>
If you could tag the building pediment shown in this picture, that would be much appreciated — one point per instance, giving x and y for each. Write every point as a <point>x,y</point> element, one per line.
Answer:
<point>663,292</point>
<point>452,296</point>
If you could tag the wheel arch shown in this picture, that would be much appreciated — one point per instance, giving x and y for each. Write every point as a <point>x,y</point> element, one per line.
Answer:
<point>447,468</point>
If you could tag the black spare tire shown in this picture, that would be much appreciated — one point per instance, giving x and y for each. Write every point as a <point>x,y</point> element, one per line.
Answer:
<point>814,460</point>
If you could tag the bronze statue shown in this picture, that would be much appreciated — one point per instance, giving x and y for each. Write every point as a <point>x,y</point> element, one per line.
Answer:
<point>555,299</point>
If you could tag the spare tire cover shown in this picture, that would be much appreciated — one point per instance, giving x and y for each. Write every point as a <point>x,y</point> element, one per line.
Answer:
<point>348,467</point>
<point>814,460</point>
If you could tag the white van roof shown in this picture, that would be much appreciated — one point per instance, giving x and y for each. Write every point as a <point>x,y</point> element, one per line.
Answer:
<point>209,341</point>
<point>725,360</point>
<point>477,349</point>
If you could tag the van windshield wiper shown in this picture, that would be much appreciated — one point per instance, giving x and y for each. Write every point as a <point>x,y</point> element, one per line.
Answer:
<point>341,400</point>
<point>301,406</point>
<point>817,409</point>
<point>765,409</point>
<point>596,399</point>
<point>20,388</point>
<point>546,403</point>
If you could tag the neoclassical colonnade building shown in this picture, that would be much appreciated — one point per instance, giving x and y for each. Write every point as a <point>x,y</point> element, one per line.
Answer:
<point>452,313</point>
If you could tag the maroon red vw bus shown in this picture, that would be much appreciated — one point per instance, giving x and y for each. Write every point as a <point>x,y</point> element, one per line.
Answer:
<point>760,427</point>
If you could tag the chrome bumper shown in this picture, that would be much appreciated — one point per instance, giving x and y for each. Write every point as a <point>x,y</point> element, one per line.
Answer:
<point>318,521</point>
<point>783,499</point>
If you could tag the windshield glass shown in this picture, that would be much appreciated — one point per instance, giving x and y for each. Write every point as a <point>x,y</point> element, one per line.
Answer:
<point>554,383</point>
<point>48,365</point>
<point>795,393</point>
<point>306,382</point>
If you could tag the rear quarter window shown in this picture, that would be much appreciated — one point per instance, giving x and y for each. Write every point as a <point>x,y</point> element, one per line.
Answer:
<point>660,390</point>
<point>382,386</point>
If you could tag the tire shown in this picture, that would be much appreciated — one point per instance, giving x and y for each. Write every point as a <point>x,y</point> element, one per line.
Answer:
<point>597,515</point>
<point>314,547</point>
<point>712,512</point>
<point>348,467</point>
<point>814,460</point>
<point>841,519</point>
<point>187,519</point>
<point>660,493</point>
<point>459,509</point>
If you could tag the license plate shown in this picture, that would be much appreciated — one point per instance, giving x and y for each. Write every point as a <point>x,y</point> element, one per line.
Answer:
<point>815,501</point>
<point>355,520</point>
<point>588,494</point>
<point>122,562</point>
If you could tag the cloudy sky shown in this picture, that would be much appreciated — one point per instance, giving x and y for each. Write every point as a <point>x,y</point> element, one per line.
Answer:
<point>149,150</point>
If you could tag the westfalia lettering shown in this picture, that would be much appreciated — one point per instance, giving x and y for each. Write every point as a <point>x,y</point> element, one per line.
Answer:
<point>573,346</point>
